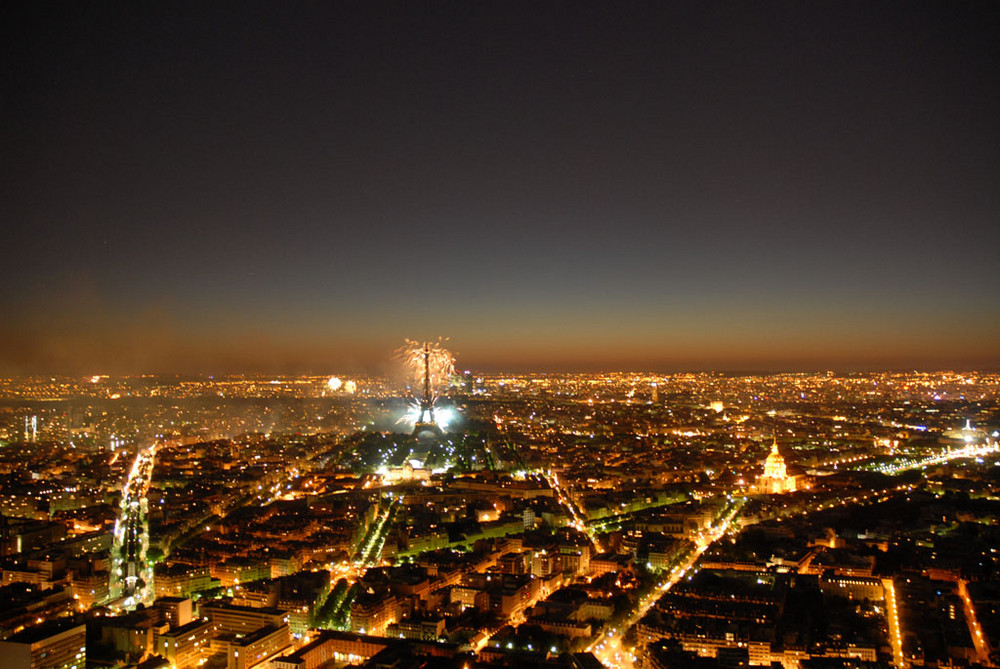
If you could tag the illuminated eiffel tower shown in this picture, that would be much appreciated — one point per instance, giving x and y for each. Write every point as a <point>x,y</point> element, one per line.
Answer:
<point>425,420</point>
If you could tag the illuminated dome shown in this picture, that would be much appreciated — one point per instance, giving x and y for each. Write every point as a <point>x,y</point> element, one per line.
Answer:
<point>774,466</point>
<point>775,479</point>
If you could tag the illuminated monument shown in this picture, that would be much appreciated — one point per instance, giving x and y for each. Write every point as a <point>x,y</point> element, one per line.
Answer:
<point>430,366</point>
<point>425,420</point>
<point>776,479</point>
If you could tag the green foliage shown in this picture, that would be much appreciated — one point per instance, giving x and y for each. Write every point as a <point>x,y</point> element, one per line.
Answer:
<point>335,613</point>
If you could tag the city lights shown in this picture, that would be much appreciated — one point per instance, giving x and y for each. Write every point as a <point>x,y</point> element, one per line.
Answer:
<point>550,502</point>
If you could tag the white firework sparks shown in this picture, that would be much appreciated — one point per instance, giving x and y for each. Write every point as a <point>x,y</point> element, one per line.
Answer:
<point>443,416</point>
<point>430,359</point>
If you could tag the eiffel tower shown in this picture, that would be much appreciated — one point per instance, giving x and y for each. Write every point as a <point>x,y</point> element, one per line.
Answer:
<point>425,421</point>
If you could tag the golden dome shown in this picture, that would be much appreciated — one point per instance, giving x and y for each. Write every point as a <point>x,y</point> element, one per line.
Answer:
<point>775,478</point>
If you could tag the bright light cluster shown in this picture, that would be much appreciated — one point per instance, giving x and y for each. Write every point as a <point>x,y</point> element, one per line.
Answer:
<point>443,416</point>
<point>335,383</point>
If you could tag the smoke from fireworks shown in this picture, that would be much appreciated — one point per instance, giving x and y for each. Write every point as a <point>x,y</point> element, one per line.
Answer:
<point>430,358</point>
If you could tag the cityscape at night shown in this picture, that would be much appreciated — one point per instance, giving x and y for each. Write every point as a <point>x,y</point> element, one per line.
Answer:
<point>483,335</point>
<point>805,519</point>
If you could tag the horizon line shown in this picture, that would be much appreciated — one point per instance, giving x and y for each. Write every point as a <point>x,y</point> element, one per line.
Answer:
<point>519,371</point>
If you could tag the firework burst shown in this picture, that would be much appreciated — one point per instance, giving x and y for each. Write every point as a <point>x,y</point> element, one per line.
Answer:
<point>429,366</point>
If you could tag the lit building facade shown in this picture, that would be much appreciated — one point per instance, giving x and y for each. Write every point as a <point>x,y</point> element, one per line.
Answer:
<point>46,647</point>
<point>776,480</point>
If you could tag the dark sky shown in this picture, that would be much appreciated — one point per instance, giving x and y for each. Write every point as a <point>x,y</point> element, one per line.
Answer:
<point>553,185</point>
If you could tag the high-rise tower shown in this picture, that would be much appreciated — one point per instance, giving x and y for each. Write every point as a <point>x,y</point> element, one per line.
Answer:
<point>425,420</point>
<point>430,367</point>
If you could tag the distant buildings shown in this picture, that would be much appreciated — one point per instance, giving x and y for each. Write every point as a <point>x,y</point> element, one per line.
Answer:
<point>278,524</point>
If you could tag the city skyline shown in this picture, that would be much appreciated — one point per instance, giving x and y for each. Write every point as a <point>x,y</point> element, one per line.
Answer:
<point>578,520</point>
<point>215,189</point>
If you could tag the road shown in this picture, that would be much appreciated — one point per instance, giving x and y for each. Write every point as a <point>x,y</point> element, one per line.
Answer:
<point>576,519</point>
<point>975,629</point>
<point>895,631</point>
<point>608,646</point>
<point>369,550</point>
<point>970,451</point>
<point>131,575</point>
<point>373,542</point>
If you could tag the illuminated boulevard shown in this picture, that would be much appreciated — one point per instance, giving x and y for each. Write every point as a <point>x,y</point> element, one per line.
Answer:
<point>947,455</point>
<point>576,518</point>
<point>608,646</point>
<point>895,631</point>
<point>132,576</point>
<point>975,628</point>
<point>370,550</point>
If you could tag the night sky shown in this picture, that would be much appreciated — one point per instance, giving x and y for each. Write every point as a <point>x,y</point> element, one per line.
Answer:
<point>298,186</point>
